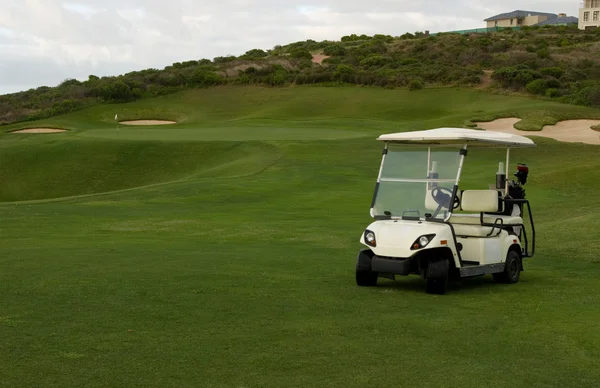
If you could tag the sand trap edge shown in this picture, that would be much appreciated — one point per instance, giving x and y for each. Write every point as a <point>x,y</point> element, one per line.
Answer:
<point>39,130</point>
<point>568,131</point>
<point>147,122</point>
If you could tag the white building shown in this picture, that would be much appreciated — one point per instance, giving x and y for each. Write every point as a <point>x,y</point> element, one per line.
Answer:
<point>589,14</point>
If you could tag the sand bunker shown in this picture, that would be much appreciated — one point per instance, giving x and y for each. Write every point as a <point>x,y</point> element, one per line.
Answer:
<point>147,122</point>
<point>40,130</point>
<point>570,131</point>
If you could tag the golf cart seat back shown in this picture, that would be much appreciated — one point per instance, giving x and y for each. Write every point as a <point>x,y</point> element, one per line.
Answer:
<point>480,201</point>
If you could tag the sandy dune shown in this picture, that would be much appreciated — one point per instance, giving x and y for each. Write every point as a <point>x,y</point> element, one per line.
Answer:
<point>570,131</point>
<point>40,130</point>
<point>147,122</point>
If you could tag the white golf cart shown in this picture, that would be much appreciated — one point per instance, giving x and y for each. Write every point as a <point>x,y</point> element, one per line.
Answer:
<point>425,225</point>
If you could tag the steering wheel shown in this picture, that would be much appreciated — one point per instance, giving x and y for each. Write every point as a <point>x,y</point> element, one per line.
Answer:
<point>441,198</point>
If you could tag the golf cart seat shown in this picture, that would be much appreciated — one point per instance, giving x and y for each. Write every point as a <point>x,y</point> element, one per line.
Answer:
<point>481,201</point>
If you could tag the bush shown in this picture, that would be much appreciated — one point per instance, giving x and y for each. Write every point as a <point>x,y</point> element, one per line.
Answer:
<point>553,93</point>
<point>543,53</point>
<point>230,58</point>
<point>375,60</point>
<point>344,73</point>
<point>588,94</point>
<point>539,86</point>
<point>335,50</point>
<point>415,84</point>
<point>300,53</point>
<point>254,54</point>
<point>553,83</point>
<point>555,71</point>
<point>515,76</point>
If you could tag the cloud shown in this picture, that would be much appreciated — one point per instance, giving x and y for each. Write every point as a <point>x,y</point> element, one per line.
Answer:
<point>45,41</point>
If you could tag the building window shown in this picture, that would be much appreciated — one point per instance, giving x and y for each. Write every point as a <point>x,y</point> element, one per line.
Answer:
<point>586,16</point>
<point>511,22</point>
<point>596,16</point>
<point>496,24</point>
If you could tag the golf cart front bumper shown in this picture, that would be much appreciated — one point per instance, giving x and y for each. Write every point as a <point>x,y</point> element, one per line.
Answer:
<point>392,266</point>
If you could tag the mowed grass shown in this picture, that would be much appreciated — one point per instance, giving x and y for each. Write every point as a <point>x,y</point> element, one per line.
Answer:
<point>234,265</point>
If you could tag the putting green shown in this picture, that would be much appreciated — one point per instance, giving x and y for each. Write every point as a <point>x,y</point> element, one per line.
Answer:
<point>222,133</point>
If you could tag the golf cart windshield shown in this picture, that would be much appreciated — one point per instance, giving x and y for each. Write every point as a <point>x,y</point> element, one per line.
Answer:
<point>416,182</point>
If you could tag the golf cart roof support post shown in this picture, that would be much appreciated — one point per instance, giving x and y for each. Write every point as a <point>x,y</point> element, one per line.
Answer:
<point>463,153</point>
<point>428,161</point>
<point>461,163</point>
<point>507,163</point>
<point>385,151</point>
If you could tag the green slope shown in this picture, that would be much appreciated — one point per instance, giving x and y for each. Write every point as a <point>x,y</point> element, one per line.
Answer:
<point>49,169</point>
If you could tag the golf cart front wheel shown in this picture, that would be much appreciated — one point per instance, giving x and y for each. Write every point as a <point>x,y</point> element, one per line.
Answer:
<point>364,276</point>
<point>512,269</point>
<point>437,276</point>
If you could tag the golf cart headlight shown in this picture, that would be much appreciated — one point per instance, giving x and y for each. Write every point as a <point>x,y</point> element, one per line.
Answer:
<point>370,238</point>
<point>422,242</point>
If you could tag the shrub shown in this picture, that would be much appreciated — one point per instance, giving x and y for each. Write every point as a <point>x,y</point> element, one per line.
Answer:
<point>573,75</point>
<point>230,58</point>
<point>555,71</point>
<point>415,84</point>
<point>117,91</point>
<point>553,93</point>
<point>553,83</point>
<point>344,73</point>
<point>375,60</point>
<point>300,53</point>
<point>543,53</point>
<point>335,50</point>
<point>254,54</point>
<point>587,93</point>
<point>538,86</point>
<point>515,76</point>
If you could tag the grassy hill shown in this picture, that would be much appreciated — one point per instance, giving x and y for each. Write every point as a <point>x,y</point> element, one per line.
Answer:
<point>220,252</point>
<point>556,63</point>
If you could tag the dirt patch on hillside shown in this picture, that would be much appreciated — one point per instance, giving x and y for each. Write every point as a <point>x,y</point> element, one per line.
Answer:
<point>234,68</point>
<point>569,131</point>
<point>486,79</point>
<point>148,122</point>
<point>40,130</point>
<point>319,58</point>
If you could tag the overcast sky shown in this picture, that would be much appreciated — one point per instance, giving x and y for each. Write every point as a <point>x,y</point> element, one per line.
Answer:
<point>43,42</point>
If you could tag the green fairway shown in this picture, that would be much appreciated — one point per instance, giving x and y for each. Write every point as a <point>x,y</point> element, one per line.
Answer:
<point>220,251</point>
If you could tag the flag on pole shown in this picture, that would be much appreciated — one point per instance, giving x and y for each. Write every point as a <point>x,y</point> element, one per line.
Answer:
<point>116,117</point>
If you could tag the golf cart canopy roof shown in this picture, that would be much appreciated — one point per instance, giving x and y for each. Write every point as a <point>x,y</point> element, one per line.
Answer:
<point>458,136</point>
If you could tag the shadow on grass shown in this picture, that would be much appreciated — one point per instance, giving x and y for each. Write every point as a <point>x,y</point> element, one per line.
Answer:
<point>415,284</point>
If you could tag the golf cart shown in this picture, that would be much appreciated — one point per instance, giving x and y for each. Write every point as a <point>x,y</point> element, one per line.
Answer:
<point>425,225</point>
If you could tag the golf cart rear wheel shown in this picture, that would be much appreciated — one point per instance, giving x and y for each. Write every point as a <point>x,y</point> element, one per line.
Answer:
<point>512,269</point>
<point>437,276</point>
<point>364,276</point>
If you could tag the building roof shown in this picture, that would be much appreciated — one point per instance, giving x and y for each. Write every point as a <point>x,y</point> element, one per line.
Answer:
<point>459,136</point>
<point>559,20</point>
<point>519,15</point>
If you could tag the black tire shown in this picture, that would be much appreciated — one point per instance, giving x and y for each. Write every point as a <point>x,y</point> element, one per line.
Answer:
<point>437,276</point>
<point>512,269</point>
<point>364,276</point>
